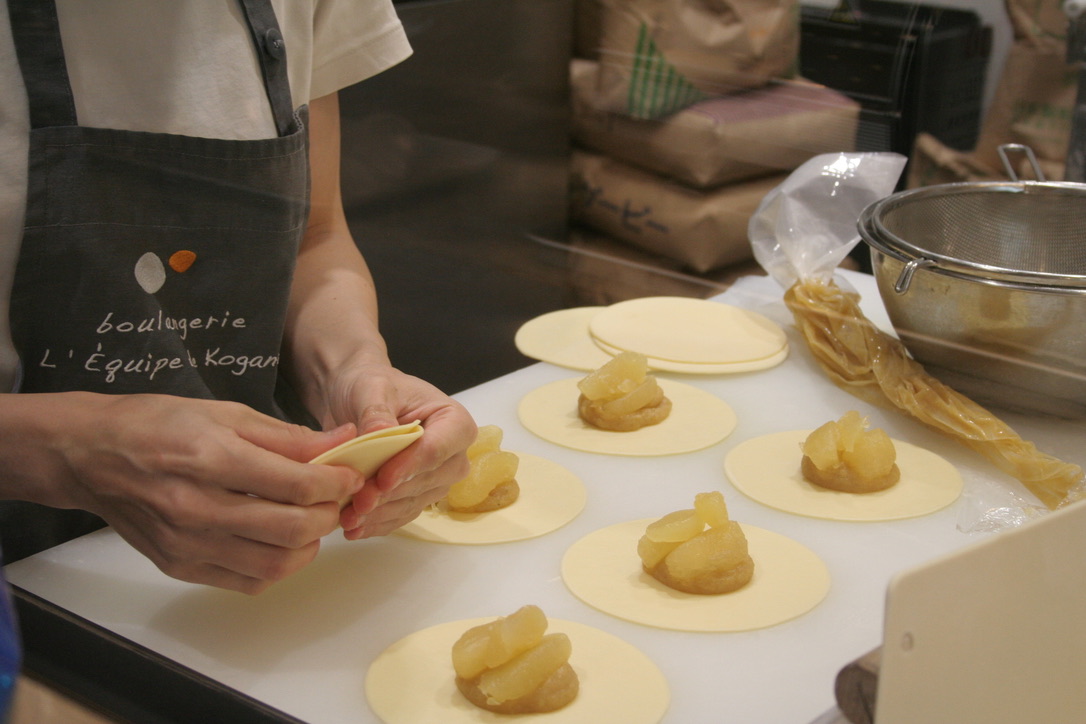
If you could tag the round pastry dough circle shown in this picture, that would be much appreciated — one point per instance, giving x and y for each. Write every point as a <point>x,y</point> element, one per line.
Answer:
<point>767,469</point>
<point>413,681</point>
<point>550,497</point>
<point>688,330</point>
<point>561,338</point>
<point>698,420</point>
<point>603,570</point>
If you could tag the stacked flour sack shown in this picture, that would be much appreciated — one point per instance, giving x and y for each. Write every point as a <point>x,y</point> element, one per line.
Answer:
<point>685,114</point>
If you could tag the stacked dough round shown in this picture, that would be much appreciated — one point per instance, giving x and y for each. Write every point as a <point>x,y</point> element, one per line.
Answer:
<point>677,334</point>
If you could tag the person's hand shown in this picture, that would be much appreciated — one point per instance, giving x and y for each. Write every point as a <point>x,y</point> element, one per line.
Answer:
<point>212,492</point>
<point>378,396</point>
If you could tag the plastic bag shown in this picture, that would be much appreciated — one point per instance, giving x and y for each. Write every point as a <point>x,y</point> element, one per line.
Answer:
<point>805,227</point>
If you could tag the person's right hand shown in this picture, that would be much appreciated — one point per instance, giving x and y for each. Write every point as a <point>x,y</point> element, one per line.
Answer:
<point>212,492</point>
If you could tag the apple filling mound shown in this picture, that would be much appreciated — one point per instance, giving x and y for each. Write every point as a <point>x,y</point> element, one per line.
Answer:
<point>490,483</point>
<point>845,455</point>
<point>512,666</point>
<point>697,551</point>
<point>622,396</point>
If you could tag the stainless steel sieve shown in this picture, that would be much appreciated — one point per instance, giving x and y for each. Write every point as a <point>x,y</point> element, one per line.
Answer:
<point>985,283</point>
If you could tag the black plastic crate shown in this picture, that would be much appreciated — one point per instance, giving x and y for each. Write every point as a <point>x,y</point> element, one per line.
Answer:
<point>912,68</point>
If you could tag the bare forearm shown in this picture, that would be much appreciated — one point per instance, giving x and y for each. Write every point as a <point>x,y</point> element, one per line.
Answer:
<point>340,361</point>
<point>33,438</point>
<point>332,319</point>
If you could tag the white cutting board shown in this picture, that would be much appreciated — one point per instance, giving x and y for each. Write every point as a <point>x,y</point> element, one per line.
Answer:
<point>994,633</point>
<point>305,644</point>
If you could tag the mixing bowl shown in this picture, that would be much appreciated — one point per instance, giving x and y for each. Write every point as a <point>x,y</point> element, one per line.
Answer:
<point>985,284</point>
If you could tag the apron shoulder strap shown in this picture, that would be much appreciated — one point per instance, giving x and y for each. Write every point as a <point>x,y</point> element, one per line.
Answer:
<point>36,33</point>
<point>271,50</point>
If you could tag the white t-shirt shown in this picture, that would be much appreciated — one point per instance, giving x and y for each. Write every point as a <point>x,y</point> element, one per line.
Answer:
<point>180,66</point>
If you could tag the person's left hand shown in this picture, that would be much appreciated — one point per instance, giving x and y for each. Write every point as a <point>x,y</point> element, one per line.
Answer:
<point>378,396</point>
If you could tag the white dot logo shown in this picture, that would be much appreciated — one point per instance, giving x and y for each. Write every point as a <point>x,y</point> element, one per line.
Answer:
<point>150,273</point>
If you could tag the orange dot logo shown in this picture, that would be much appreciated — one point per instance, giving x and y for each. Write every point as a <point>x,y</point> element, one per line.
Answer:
<point>180,261</point>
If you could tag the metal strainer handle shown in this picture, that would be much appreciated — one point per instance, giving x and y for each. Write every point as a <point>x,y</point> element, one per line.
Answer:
<point>1003,149</point>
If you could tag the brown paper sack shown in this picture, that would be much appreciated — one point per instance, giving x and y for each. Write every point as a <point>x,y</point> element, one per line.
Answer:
<point>703,230</point>
<point>1039,23</point>
<point>659,56</point>
<point>1035,98</point>
<point>730,138</point>
<point>1033,105</point>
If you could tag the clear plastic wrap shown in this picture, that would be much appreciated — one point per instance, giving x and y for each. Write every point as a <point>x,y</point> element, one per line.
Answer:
<point>800,234</point>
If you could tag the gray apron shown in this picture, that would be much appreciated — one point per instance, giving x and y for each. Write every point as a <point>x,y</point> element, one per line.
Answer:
<point>150,262</point>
